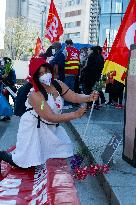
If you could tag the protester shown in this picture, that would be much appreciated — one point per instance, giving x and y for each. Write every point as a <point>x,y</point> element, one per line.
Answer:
<point>8,79</point>
<point>110,88</point>
<point>92,70</point>
<point>83,56</point>
<point>115,90</point>
<point>58,62</point>
<point>99,76</point>
<point>71,67</point>
<point>1,73</point>
<point>40,136</point>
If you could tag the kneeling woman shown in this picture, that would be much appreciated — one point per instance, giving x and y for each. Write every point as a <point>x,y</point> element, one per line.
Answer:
<point>35,144</point>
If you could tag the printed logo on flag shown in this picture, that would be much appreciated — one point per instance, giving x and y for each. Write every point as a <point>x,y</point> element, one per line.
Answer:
<point>130,35</point>
<point>52,29</point>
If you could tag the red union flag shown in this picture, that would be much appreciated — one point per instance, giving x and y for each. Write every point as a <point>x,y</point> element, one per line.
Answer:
<point>118,56</point>
<point>54,27</point>
<point>104,50</point>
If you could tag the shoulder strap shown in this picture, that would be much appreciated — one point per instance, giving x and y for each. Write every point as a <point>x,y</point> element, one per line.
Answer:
<point>44,94</point>
<point>57,86</point>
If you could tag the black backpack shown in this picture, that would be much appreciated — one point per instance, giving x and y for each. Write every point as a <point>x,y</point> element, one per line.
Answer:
<point>21,98</point>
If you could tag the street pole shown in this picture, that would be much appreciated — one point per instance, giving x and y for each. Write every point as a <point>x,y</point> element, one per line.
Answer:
<point>43,21</point>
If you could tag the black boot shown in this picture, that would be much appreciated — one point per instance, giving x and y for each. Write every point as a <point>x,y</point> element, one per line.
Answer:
<point>7,157</point>
<point>4,119</point>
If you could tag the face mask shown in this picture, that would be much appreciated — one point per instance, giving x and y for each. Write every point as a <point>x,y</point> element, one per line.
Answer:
<point>46,78</point>
<point>89,51</point>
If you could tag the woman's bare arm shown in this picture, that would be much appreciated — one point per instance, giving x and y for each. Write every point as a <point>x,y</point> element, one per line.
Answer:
<point>36,100</point>
<point>73,97</point>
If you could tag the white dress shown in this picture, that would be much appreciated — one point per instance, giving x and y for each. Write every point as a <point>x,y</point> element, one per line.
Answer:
<point>35,145</point>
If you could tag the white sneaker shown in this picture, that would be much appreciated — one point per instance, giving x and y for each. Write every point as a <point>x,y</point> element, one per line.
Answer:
<point>66,107</point>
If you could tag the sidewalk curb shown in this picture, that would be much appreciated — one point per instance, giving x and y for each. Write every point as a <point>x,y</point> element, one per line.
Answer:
<point>112,198</point>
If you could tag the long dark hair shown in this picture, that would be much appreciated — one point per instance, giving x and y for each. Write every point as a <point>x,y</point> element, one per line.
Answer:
<point>37,82</point>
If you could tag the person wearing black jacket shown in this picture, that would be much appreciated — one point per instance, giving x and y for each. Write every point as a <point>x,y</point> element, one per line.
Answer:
<point>93,69</point>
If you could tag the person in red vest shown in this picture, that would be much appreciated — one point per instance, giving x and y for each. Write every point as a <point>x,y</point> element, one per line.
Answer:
<point>71,66</point>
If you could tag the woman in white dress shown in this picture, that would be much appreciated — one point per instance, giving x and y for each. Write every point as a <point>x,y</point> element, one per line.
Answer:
<point>49,140</point>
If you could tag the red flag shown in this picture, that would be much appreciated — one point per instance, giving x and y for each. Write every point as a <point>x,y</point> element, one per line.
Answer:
<point>118,56</point>
<point>38,47</point>
<point>104,50</point>
<point>54,27</point>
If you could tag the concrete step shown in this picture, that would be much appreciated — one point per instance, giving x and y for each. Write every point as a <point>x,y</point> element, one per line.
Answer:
<point>118,184</point>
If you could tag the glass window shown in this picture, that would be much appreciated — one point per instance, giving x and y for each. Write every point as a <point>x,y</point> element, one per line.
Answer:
<point>73,24</point>
<point>105,6</point>
<point>125,4</point>
<point>78,1</point>
<point>104,29</point>
<point>73,35</point>
<point>116,6</point>
<point>73,2</point>
<point>73,13</point>
<point>115,23</point>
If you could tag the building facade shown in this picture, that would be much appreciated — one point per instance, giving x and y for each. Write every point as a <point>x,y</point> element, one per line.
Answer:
<point>13,8</point>
<point>75,20</point>
<point>94,22</point>
<point>110,19</point>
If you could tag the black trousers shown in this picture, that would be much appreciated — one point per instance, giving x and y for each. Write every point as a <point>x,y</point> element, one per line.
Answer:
<point>118,97</point>
<point>102,97</point>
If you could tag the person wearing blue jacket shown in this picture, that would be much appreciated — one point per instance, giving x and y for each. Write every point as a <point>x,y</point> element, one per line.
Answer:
<point>58,61</point>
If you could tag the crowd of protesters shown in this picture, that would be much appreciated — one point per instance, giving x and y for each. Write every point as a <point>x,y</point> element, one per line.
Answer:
<point>80,70</point>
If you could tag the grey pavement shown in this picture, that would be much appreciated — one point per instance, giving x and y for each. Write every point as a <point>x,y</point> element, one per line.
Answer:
<point>118,184</point>
<point>9,133</point>
<point>3,127</point>
<point>89,190</point>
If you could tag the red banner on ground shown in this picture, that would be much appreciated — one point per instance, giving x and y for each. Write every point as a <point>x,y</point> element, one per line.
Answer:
<point>49,184</point>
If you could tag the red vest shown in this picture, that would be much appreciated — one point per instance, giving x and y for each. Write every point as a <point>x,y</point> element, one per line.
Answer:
<point>72,61</point>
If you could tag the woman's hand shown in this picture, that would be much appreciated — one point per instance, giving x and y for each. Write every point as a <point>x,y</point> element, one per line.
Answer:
<point>94,96</point>
<point>80,112</point>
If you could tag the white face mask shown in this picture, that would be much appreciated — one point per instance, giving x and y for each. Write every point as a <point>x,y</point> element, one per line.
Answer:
<point>46,78</point>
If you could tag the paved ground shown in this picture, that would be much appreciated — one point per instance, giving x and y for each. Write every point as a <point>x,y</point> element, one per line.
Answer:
<point>119,183</point>
<point>3,127</point>
<point>89,190</point>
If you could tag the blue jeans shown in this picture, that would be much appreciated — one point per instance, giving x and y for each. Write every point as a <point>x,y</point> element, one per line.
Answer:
<point>70,82</point>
